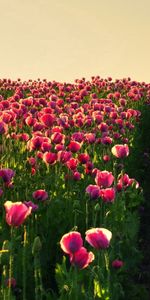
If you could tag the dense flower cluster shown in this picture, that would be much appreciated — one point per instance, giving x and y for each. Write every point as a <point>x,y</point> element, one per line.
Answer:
<point>64,150</point>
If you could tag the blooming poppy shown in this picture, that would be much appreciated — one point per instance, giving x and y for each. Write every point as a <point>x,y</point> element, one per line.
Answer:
<point>47,119</point>
<point>120,151</point>
<point>16,213</point>
<point>7,174</point>
<point>74,146</point>
<point>104,178</point>
<point>107,195</point>
<point>117,264</point>
<point>40,195</point>
<point>50,158</point>
<point>98,238</point>
<point>93,191</point>
<point>71,242</point>
<point>82,258</point>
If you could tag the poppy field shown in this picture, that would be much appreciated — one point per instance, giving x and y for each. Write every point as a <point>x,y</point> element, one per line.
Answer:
<point>69,199</point>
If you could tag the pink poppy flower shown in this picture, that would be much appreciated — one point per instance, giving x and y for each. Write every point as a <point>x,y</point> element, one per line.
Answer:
<point>120,151</point>
<point>16,213</point>
<point>78,136</point>
<point>32,161</point>
<point>35,143</point>
<point>72,164</point>
<point>47,119</point>
<point>103,127</point>
<point>106,158</point>
<point>3,127</point>
<point>46,146</point>
<point>82,258</point>
<point>98,238</point>
<point>32,205</point>
<point>104,178</point>
<point>117,264</point>
<point>71,242</point>
<point>108,195</point>
<point>64,156</point>
<point>30,121</point>
<point>83,158</point>
<point>7,175</point>
<point>93,191</point>
<point>90,137</point>
<point>76,176</point>
<point>74,146</point>
<point>50,158</point>
<point>106,140</point>
<point>11,282</point>
<point>40,195</point>
<point>58,138</point>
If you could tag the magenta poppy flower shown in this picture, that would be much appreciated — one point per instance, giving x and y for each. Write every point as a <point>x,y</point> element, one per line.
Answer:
<point>78,136</point>
<point>7,175</point>
<point>106,158</point>
<point>104,178</point>
<point>82,258</point>
<point>108,195</point>
<point>47,119</point>
<point>63,156</point>
<point>83,158</point>
<point>35,143</point>
<point>117,264</point>
<point>103,127</point>
<point>46,146</point>
<point>90,137</point>
<point>71,242</point>
<point>3,127</point>
<point>11,282</point>
<point>72,163</point>
<point>40,195</point>
<point>50,158</point>
<point>32,205</point>
<point>76,176</point>
<point>58,138</point>
<point>98,238</point>
<point>32,161</point>
<point>106,140</point>
<point>74,146</point>
<point>16,213</point>
<point>120,151</point>
<point>93,191</point>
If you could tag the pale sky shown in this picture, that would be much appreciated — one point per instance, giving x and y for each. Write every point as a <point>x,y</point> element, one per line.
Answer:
<point>67,39</point>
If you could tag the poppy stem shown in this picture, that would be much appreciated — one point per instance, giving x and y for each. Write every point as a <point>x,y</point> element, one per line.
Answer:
<point>24,263</point>
<point>86,215</point>
<point>11,260</point>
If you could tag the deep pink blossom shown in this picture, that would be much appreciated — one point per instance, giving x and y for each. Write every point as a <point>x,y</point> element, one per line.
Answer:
<point>32,205</point>
<point>82,258</point>
<point>47,119</point>
<point>16,213</point>
<point>98,238</point>
<point>108,195</point>
<point>40,195</point>
<point>50,158</point>
<point>104,179</point>
<point>120,151</point>
<point>83,158</point>
<point>93,191</point>
<point>72,164</point>
<point>71,242</point>
<point>74,146</point>
<point>7,175</point>
<point>117,264</point>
